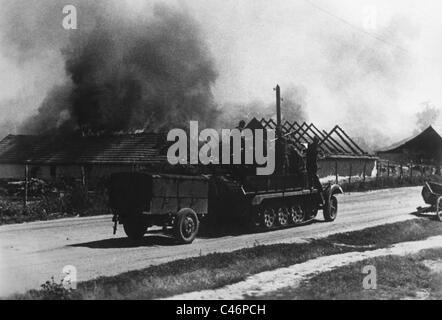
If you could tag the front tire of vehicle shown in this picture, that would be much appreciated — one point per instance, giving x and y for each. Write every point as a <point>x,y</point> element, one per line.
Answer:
<point>331,209</point>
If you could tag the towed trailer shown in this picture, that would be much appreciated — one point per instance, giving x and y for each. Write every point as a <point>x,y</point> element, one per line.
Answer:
<point>432,195</point>
<point>179,203</point>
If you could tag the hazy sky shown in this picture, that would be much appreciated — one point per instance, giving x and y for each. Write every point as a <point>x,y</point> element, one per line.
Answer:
<point>365,64</point>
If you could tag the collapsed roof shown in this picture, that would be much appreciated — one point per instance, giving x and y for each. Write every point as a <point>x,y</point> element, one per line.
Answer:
<point>333,144</point>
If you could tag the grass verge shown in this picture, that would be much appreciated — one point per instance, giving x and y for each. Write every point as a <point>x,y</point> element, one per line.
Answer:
<point>398,277</point>
<point>220,269</point>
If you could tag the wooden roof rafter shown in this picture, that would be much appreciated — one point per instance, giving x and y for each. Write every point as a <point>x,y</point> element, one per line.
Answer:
<point>336,142</point>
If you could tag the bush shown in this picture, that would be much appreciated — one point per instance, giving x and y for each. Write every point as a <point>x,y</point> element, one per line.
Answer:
<point>52,291</point>
<point>63,198</point>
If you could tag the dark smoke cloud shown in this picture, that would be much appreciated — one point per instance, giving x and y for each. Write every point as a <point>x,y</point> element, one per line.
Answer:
<point>123,71</point>
<point>152,70</point>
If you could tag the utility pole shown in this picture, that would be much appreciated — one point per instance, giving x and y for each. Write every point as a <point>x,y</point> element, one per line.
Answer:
<point>278,107</point>
<point>280,145</point>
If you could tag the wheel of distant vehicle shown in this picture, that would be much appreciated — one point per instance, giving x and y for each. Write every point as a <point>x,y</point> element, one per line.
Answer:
<point>331,209</point>
<point>186,226</point>
<point>268,217</point>
<point>135,228</point>
<point>439,209</point>
<point>432,195</point>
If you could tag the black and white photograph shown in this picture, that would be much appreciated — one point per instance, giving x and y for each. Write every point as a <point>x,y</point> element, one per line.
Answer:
<point>222,155</point>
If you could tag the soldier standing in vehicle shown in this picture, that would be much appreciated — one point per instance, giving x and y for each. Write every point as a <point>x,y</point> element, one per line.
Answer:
<point>295,162</point>
<point>312,165</point>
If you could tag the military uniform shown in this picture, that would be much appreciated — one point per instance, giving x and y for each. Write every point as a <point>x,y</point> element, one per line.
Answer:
<point>312,165</point>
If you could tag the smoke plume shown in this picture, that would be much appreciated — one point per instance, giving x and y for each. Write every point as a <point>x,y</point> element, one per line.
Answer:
<point>123,71</point>
<point>427,117</point>
<point>365,78</point>
<point>155,67</point>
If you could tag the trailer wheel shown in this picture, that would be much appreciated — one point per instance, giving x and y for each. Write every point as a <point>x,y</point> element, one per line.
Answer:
<point>135,228</point>
<point>331,209</point>
<point>186,226</point>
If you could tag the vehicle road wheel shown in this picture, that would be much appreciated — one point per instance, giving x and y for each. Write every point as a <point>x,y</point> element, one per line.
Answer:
<point>268,217</point>
<point>439,210</point>
<point>135,229</point>
<point>296,214</point>
<point>331,209</point>
<point>186,226</point>
<point>283,216</point>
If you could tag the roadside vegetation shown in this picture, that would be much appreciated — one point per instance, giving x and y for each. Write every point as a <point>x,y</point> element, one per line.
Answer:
<point>49,200</point>
<point>220,269</point>
<point>416,276</point>
<point>383,182</point>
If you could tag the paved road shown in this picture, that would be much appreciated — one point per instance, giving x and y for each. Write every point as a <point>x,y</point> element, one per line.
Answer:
<point>31,254</point>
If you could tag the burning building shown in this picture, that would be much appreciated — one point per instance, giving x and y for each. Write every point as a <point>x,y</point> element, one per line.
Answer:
<point>97,156</point>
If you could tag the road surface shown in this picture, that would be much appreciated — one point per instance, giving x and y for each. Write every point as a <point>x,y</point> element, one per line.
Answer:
<point>32,253</point>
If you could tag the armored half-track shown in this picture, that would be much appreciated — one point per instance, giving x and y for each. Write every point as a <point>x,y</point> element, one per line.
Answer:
<point>180,203</point>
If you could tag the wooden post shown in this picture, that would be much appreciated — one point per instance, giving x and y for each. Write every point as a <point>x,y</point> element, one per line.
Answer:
<point>280,147</point>
<point>336,172</point>
<point>365,169</point>
<point>350,173</point>
<point>401,172</point>
<point>25,198</point>
<point>83,176</point>
<point>377,171</point>
<point>84,181</point>
<point>278,106</point>
<point>388,169</point>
